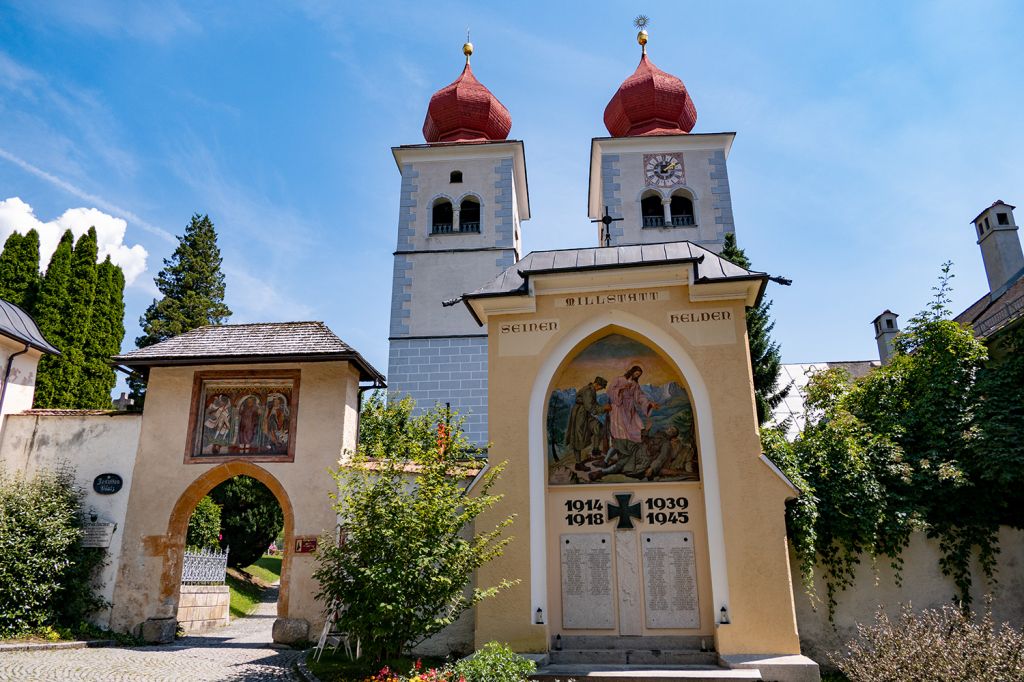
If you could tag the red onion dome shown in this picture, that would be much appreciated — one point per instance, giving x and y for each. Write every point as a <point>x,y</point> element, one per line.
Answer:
<point>466,111</point>
<point>650,102</point>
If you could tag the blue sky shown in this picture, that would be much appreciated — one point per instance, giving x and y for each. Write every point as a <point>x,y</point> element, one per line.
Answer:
<point>869,135</point>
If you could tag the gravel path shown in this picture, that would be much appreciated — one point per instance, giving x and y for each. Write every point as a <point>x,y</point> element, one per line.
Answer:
<point>240,651</point>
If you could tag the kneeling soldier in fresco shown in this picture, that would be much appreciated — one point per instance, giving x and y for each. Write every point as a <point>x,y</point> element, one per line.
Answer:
<point>585,430</point>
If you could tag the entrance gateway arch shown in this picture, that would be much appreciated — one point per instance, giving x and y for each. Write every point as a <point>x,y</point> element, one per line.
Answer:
<point>621,395</point>
<point>277,402</point>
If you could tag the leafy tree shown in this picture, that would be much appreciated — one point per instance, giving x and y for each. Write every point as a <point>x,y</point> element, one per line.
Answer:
<point>250,518</point>
<point>204,525</point>
<point>192,286</point>
<point>19,269</point>
<point>106,331</point>
<point>765,358</point>
<point>410,546</point>
<point>900,451</point>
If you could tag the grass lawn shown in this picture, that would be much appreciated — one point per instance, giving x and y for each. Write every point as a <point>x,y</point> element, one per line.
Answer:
<point>336,667</point>
<point>267,569</point>
<point>247,585</point>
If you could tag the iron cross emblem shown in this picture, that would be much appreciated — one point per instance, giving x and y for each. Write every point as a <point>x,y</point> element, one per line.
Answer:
<point>624,511</point>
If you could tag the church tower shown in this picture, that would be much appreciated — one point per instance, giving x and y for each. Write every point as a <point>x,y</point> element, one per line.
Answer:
<point>463,196</point>
<point>659,181</point>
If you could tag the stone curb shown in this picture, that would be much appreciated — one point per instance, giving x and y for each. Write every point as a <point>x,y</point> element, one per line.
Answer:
<point>303,670</point>
<point>42,646</point>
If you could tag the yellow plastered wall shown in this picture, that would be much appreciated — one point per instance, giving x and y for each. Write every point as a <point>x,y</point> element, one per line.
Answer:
<point>164,489</point>
<point>749,505</point>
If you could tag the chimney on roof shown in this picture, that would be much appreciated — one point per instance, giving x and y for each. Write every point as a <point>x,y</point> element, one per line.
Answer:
<point>886,329</point>
<point>1000,246</point>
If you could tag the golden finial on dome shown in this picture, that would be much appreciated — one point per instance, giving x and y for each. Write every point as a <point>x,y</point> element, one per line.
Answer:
<point>467,47</point>
<point>641,23</point>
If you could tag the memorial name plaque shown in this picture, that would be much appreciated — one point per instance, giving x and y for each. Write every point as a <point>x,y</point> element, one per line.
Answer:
<point>107,484</point>
<point>670,580</point>
<point>587,581</point>
<point>97,534</point>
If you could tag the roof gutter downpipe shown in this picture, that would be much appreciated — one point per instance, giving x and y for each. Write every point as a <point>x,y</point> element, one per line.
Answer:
<point>7,375</point>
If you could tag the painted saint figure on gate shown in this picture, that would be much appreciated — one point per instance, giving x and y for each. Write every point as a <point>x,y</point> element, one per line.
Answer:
<point>637,427</point>
<point>240,417</point>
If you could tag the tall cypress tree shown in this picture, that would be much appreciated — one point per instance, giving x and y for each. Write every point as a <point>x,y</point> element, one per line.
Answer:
<point>192,285</point>
<point>19,269</point>
<point>765,359</point>
<point>106,331</point>
<point>51,311</point>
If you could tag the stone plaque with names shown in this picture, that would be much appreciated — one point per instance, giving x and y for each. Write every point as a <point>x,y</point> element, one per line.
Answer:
<point>587,581</point>
<point>670,580</point>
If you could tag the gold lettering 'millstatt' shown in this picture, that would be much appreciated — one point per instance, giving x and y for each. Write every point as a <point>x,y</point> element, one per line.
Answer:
<point>609,299</point>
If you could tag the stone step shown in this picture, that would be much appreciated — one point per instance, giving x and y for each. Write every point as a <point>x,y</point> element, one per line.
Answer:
<point>634,657</point>
<point>695,642</point>
<point>640,673</point>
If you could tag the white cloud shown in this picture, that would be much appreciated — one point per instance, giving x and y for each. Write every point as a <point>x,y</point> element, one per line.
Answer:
<point>18,216</point>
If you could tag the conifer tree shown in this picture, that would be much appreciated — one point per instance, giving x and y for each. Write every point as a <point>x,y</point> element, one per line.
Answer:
<point>19,269</point>
<point>106,331</point>
<point>192,285</point>
<point>51,310</point>
<point>765,358</point>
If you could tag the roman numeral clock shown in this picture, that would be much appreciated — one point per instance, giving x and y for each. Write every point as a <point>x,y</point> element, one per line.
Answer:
<point>663,170</point>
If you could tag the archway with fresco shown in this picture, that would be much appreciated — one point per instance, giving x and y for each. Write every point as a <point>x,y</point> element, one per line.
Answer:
<point>625,502</point>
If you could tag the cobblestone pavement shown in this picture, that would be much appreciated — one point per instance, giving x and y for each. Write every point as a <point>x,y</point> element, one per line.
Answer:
<point>238,652</point>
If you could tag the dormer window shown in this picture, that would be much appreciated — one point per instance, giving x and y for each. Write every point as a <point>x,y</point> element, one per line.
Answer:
<point>652,211</point>
<point>441,222</point>
<point>469,215</point>
<point>456,176</point>
<point>681,210</point>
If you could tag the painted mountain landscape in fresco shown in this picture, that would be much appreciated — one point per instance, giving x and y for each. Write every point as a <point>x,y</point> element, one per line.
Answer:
<point>619,413</point>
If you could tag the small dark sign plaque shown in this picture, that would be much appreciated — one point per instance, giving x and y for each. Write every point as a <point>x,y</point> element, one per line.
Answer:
<point>107,484</point>
<point>305,544</point>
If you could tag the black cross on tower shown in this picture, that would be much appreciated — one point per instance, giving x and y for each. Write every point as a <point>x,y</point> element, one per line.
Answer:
<point>624,511</point>
<point>606,233</point>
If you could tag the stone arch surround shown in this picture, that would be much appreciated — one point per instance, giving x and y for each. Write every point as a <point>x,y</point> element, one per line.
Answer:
<point>177,525</point>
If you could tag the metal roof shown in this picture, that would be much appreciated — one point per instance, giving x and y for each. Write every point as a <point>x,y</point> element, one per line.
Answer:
<point>16,324</point>
<point>710,266</point>
<point>247,343</point>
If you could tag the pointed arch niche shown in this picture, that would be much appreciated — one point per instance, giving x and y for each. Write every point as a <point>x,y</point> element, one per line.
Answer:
<point>674,357</point>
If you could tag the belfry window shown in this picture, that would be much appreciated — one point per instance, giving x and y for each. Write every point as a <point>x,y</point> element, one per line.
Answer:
<point>442,217</point>
<point>652,211</point>
<point>456,176</point>
<point>1002,218</point>
<point>469,215</point>
<point>681,210</point>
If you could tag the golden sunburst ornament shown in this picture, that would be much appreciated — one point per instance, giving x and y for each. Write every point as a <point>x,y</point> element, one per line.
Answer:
<point>641,22</point>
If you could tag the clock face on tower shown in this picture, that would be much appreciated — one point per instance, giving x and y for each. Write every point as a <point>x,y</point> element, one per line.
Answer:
<point>663,170</point>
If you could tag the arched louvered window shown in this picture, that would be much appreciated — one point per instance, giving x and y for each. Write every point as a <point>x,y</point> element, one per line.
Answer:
<point>469,215</point>
<point>681,210</point>
<point>652,211</point>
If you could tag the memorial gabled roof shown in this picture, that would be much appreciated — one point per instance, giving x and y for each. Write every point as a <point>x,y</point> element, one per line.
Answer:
<point>710,266</point>
<point>16,324</point>
<point>251,343</point>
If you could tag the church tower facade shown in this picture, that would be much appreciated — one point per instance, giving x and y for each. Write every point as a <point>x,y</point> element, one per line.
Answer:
<point>657,180</point>
<point>463,197</point>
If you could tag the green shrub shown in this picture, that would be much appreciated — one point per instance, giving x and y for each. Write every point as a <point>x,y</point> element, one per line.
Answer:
<point>935,644</point>
<point>204,525</point>
<point>495,663</point>
<point>46,576</point>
